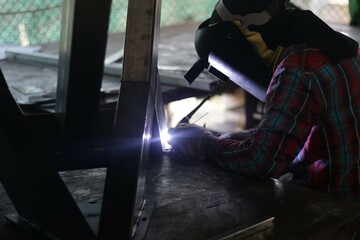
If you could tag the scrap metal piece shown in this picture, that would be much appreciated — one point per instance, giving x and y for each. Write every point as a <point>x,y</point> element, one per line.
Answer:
<point>258,231</point>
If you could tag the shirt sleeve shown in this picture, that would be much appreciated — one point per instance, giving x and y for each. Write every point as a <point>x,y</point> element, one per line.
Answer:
<point>291,109</point>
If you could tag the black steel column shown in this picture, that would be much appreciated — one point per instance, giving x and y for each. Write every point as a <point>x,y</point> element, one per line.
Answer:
<point>82,53</point>
<point>124,186</point>
<point>44,205</point>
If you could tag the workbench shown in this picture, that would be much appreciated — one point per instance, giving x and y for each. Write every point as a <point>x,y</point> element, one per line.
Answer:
<point>196,199</point>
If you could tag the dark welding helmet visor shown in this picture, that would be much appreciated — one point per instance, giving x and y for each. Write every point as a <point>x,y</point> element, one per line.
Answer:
<point>225,52</point>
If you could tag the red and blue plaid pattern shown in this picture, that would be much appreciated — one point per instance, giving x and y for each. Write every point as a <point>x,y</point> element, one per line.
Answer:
<point>312,113</point>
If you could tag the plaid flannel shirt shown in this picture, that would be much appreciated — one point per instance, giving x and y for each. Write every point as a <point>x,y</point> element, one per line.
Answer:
<point>312,114</point>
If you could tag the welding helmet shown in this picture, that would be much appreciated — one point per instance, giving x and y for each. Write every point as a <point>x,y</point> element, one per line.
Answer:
<point>226,53</point>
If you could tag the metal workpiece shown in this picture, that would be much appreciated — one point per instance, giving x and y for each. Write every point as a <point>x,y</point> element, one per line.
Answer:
<point>80,73</point>
<point>125,179</point>
<point>42,201</point>
<point>31,180</point>
<point>195,199</point>
<point>82,53</point>
<point>168,77</point>
<point>141,40</point>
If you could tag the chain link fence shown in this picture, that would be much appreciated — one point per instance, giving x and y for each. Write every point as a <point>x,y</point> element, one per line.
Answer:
<point>34,22</point>
<point>330,11</point>
<point>29,22</point>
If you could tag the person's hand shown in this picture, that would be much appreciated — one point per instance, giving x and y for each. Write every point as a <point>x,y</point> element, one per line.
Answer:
<point>186,138</point>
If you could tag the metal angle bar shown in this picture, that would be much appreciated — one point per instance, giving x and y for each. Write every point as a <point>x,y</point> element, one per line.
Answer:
<point>82,53</point>
<point>34,58</point>
<point>161,117</point>
<point>258,230</point>
<point>116,56</point>
<point>30,179</point>
<point>113,69</point>
<point>125,178</point>
<point>166,77</point>
<point>143,220</point>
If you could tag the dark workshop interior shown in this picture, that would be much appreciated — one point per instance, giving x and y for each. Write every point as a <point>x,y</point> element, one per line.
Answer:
<point>83,123</point>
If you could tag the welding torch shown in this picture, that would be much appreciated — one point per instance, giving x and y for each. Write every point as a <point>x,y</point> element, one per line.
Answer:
<point>186,119</point>
<point>189,135</point>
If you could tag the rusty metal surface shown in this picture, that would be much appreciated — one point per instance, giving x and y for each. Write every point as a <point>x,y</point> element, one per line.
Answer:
<point>198,200</point>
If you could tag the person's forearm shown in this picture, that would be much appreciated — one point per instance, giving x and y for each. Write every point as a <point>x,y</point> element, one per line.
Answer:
<point>239,135</point>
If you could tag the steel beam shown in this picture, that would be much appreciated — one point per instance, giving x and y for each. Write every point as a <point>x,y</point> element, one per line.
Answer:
<point>124,185</point>
<point>167,77</point>
<point>82,53</point>
<point>29,177</point>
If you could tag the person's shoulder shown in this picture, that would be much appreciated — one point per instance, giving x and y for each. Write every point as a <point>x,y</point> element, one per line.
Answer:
<point>304,56</point>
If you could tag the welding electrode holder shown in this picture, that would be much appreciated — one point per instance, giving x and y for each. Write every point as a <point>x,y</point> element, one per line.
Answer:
<point>186,119</point>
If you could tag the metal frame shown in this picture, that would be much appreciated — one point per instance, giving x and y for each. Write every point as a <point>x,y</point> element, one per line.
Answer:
<point>133,122</point>
<point>111,69</point>
<point>30,178</point>
<point>81,65</point>
<point>43,203</point>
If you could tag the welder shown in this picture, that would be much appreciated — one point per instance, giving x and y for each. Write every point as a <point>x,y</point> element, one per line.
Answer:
<point>308,77</point>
